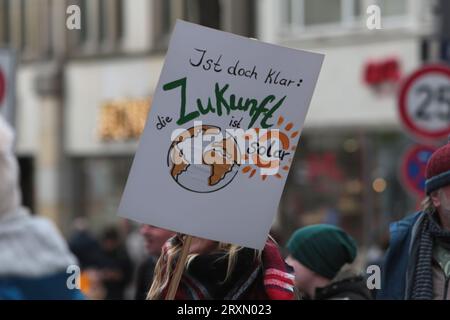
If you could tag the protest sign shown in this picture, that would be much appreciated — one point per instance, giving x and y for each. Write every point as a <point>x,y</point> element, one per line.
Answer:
<point>220,97</point>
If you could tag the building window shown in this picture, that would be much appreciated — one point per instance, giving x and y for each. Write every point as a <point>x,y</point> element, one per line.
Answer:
<point>316,15</point>
<point>204,12</point>
<point>15,27</point>
<point>165,14</point>
<point>111,24</point>
<point>25,27</point>
<point>299,16</point>
<point>4,22</point>
<point>101,28</point>
<point>393,8</point>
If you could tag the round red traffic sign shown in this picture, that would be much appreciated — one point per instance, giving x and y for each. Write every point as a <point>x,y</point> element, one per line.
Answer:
<point>413,167</point>
<point>2,86</point>
<point>424,102</point>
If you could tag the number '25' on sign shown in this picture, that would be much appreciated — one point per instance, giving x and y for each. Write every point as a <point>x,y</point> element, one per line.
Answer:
<point>424,102</point>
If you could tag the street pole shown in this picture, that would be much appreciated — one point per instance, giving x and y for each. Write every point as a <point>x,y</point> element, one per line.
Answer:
<point>49,152</point>
<point>51,183</point>
<point>442,30</point>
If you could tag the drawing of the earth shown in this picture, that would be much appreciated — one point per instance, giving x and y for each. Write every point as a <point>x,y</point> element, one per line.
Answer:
<point>216,162</point>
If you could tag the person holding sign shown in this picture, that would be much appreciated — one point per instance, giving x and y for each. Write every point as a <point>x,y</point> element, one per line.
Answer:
<point>213,170</point>
<point>216,270</point>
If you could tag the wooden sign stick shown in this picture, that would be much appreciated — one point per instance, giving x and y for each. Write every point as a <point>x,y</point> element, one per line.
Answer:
<point>176,277</point>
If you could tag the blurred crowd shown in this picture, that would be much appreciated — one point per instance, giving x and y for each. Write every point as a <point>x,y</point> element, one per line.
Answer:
<point>119,263</point>
<point>123,262</point>
<point>126,262</point>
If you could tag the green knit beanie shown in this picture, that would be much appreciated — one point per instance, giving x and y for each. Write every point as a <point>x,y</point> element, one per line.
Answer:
<point>322,248</point>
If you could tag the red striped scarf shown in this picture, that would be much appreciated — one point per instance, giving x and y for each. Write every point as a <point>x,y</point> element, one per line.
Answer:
<point>268,279</point>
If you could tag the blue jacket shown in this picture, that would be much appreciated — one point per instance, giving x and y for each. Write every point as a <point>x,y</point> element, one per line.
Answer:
<point>396,270</point>
<point>34,259</point>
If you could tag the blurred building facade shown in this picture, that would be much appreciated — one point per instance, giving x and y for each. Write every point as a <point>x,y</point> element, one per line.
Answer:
<point>83,95</point>
<point>347,168</point>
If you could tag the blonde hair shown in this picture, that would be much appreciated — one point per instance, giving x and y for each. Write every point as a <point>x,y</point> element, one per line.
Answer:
<point>166,264</point>
<point>427,205</point>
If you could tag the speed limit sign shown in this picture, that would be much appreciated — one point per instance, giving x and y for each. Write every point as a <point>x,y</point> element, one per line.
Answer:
<point>424,102</point>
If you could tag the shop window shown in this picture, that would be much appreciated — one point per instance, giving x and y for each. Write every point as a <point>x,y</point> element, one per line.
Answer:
<point>98,187</point>
<point>349,180</point>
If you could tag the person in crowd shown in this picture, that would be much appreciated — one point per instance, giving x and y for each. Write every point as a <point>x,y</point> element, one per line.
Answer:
<point>218,271</point>
<point>154,240</point>
<point>417,263</point>
<point>117,271</point>
<point>318,254</point>
<point>34,258</point>
<point>91,259</point>
<point>134,242</point>
<point>85,246</point>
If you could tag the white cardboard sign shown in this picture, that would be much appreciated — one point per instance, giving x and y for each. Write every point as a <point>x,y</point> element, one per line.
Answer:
<point>213,83</point>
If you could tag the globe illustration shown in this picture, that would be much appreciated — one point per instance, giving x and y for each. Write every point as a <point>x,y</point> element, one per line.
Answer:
<point>203,159</point>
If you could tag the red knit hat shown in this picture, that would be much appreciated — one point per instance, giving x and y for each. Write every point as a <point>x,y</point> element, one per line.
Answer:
<point>438,169</point>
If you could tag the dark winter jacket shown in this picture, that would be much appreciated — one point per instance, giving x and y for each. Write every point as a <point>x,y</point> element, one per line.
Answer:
<point>266,279</point>
<point>353,288</point>
<point>144,277</point>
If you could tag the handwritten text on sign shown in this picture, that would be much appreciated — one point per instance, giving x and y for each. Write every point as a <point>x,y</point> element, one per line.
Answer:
<point>225,100</point>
